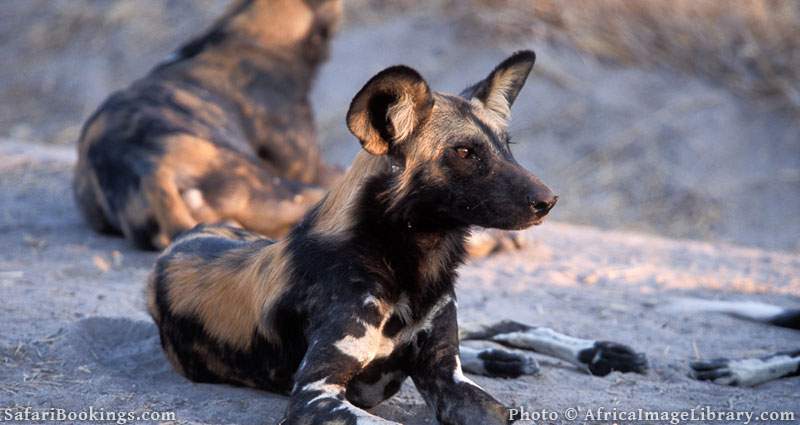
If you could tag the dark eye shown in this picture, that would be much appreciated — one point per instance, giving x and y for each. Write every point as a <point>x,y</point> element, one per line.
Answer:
<point>463,152</point>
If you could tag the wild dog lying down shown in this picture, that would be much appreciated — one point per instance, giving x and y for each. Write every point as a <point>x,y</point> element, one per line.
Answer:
<point>359,296</point>
<point>223,131</point>
<point>749,371</point>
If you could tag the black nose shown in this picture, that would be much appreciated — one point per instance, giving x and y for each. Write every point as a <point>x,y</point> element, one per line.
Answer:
<point>542,205</point>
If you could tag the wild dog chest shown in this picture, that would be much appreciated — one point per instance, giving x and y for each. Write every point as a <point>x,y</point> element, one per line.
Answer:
<point>386,346</point>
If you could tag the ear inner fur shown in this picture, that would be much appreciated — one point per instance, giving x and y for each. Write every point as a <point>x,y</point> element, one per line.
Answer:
<point>500,89</point>
<point>388,108</point>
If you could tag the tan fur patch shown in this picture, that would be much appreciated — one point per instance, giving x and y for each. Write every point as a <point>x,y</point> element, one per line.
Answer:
<point>230,301</point>
<point>371,140</point>
<point>335,214</point>
<point>432,266</point>
<point>274,23</point>
<point>212,362</point>
<point>92,134</point>
<point>208,112</point>
<point>187,157</point>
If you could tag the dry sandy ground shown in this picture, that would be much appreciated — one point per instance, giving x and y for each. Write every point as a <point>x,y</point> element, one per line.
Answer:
<point>74,332</point>
<point>625,148</point>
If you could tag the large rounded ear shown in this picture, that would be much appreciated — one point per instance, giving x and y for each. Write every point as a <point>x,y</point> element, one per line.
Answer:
<point>499,90</point>
<point>389,108</point>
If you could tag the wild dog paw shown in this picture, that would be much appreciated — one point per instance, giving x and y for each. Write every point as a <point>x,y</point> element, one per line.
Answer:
<point>605,357</point>
<point>508,364</point>
<point>160,241</point>
<point>497,362</point>
<point>715,370</point>
<point>490,241</point>
<point>745,372</point>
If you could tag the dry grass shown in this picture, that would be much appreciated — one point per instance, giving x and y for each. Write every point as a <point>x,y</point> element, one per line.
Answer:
<point>751,46</point>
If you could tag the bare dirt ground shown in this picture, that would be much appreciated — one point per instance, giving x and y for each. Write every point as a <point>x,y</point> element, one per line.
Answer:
<point>626,148</point>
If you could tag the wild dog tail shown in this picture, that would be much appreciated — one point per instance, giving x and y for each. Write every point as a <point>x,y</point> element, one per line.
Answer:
<point>749,310</point>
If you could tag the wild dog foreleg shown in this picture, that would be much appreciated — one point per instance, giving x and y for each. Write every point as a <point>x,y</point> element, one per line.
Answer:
<point>598,357</point>
<point>748,372</point>
<point>439,378</point>
<point>337,352</point>
<point>169,208</point>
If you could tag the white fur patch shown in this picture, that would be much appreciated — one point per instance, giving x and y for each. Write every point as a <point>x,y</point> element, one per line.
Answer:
<point>194,199</point>
<point>459,377</point>
<point>368,346</point>
<point>548,342</point>
<point>363,417</point>
<point>370,300</point>
<point>331,391</point>
<point>374,345</point>
<point>328,390</point>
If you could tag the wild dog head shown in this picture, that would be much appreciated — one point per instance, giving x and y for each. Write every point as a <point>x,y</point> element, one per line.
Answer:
<point>283,23</point>
<point>450,155</point>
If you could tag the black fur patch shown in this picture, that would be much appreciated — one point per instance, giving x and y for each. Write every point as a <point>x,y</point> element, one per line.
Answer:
<point>606,357</point>
<point>787,319</point>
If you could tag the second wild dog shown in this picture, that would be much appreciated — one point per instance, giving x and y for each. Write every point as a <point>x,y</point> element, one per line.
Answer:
<point>221,131</point>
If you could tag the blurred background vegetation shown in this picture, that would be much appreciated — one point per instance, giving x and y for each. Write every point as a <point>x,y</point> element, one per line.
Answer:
<point>677,117</point>
<point>750,46</point>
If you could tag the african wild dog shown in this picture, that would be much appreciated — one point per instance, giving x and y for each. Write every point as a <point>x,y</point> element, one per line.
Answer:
<point>222,131</point>
<point>360,294</point>
<point>748,371</point>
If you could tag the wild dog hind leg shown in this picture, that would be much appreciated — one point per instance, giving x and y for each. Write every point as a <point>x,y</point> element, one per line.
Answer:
<point>598,357</point>
<point>748,310</point>
<point>748,372</point>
